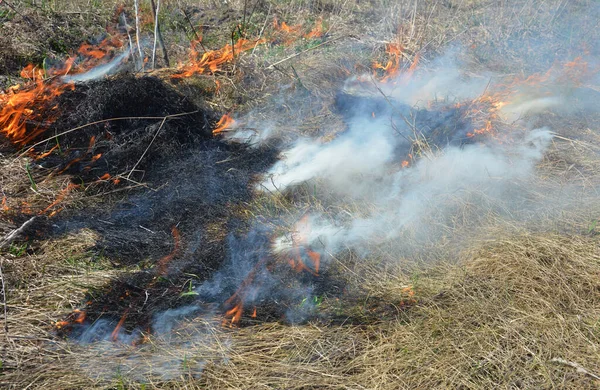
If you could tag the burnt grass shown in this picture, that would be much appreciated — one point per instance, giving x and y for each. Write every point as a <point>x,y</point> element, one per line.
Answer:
<point>193,182</point>
<point>177,179</point>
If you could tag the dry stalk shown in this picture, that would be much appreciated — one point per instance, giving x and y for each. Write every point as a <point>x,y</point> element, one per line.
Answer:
<point>303,51</point>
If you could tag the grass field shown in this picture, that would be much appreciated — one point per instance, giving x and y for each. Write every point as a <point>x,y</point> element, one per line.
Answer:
<point>492,281</point>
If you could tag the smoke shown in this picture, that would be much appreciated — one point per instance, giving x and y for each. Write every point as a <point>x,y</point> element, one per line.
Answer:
<point>99,71</point>
<point>365,173</point>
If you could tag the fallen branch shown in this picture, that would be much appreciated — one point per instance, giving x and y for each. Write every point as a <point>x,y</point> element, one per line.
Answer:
<point>302,52</point>
<point>576,366</point>
<point>10,237</point>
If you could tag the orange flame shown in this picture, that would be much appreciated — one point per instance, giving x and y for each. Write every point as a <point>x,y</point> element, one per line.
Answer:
<point>316,32</point>
<point>300,244</point>
<point>392,68</point>
<point>27,111</point>
<point>236,301</point>
<point>76,317</point>
<point>213,60</point>
<point>60,197</point>
<point>162,263</point>
<point>115,333</point>
<point>235,313</point>
<point>24,110</point>
<point>224,123</point>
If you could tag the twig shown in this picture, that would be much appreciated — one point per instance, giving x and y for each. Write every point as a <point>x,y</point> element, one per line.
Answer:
<point>262,30</point>
<point>137,33</point>
<point>158,34</point>
<point>577,366</point>
<point>102,121</point>
<point>10,237</point>
<point>155,10</point>
<point>387,99</point>
<point>149,145</point>
<point>25,18</point>
<point>4,299</point>
<point>198,39</point>
<point>302,52</point>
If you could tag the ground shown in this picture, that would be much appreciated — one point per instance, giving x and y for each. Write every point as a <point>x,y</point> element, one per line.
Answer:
<point>151,234</point>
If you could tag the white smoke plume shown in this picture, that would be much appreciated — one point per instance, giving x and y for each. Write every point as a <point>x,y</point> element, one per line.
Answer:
<point>363,166</point>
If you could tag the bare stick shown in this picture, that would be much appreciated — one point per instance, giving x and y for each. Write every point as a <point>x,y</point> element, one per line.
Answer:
<point>158,34</point>
<point>4,299</point>
<point>25,18</point>
<point>262,30</point>
<point>6,241</point>
<point>302,52</point>
<point>10,237</point>
<point>198,39</point>
<point>137,33</point>
<point>150,144</point>
<point>155,31</point>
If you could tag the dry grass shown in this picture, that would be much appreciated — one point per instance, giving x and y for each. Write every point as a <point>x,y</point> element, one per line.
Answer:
<point>497,319</point>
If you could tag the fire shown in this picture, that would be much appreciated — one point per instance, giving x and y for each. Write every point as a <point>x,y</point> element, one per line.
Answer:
<point>162,263</point>
<point>235,313</point>
<point>392,68</point>
<point>487,129</point>
<point>224,123</point>
<point>236,301</point>
<point>301,258</point>
<point>115,333</point>
<point>300,248</point>
<point>316,32</point>
<point>25,110</point>
<point>76,317</point>
<point>213,60</point>
<point>59,198</point>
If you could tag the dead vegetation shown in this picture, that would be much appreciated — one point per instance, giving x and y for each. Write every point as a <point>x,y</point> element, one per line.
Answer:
<point>512,305</point>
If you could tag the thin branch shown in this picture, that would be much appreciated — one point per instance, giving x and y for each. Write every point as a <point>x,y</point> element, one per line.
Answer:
<point>262,30</point>
<point>149,145</point>
<point>10,237</point>
<point>158,34</point>
<point>25,18</point>
<point>103,121</point>
<point>137,33</point>
<point>155,10</point>
<point>198,38</point>
<point>4,299</point>
<point>302,52</point>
